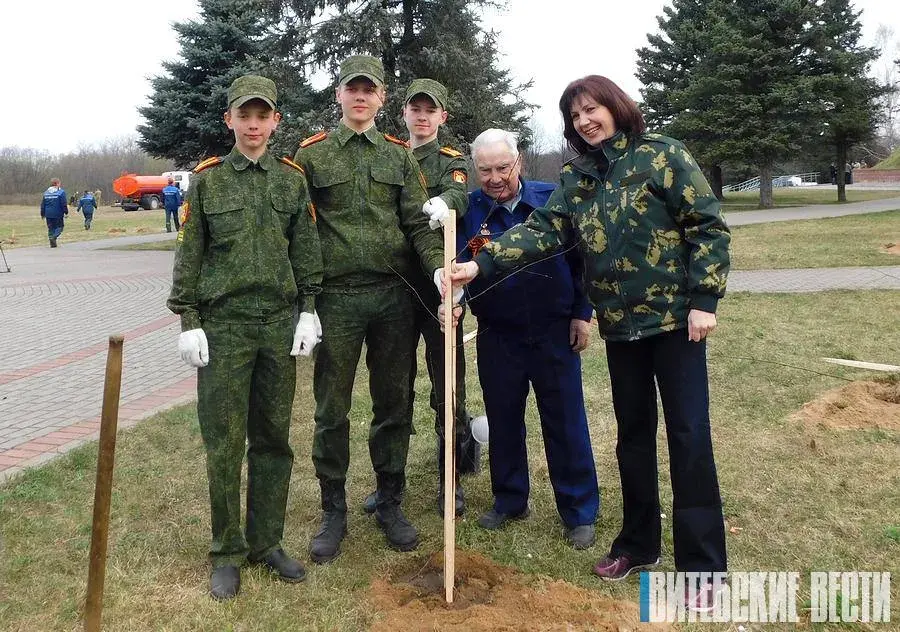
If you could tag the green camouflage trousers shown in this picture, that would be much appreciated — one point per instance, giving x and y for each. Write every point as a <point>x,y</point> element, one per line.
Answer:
<point>244,398</point>
<point>383,319</point>
<point>426,324</point>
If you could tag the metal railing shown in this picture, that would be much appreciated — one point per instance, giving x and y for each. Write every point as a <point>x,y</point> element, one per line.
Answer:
<point>797,179</point>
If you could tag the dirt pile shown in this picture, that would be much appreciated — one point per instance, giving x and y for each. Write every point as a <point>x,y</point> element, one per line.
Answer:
<point>891,249</point>
<point>492,598</point>
<point>855,406</point>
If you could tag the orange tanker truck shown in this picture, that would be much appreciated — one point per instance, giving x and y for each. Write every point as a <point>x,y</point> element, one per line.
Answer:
<point>146,191</point>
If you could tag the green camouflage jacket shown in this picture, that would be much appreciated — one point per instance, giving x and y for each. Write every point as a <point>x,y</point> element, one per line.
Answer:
<point>368,192</point>
<point>446,173</point>
<point>248,247</point>
<point>650,230</point>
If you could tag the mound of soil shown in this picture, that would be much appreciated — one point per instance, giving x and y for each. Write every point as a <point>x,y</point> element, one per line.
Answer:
<point>891,249</point>
<point>489,597</point>
<point>855,406</point>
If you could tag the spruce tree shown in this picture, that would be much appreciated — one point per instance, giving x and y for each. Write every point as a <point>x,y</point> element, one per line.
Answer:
<point>849,97</point>
<point>184,113</point>
<point>440,39</point>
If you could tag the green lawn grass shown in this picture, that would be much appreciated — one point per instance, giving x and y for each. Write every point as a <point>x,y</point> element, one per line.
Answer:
<point>800,196</point>
<point>853,240</point>
<point>804,499</point>
<point>22,225</point>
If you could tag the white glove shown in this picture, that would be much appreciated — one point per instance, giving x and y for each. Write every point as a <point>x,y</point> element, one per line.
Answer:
<point>439,282</point>
<point>193,347</point>
<point>307,334</point>
<point>437,211</point>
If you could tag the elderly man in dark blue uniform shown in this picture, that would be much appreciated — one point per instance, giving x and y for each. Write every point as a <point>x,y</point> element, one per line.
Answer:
<point>531,327</point>
<point>172,202</point>
<point>54,209</point>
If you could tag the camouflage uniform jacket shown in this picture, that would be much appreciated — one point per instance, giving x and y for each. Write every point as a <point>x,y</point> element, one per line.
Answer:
<point>368,192</point>
<point>654,242</point>
<point>248,247</point>
<point>445,173</point>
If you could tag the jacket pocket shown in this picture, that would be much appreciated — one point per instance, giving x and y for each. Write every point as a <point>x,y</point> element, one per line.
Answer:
<point>224,217</point>
<point>284,212</point>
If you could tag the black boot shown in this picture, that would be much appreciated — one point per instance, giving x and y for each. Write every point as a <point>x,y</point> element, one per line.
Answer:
<point>401,535</point>
<point>224,582</point>
<point>468,452</point>
<point>460,499</point>
<point>326,544</point>
<point>369,503</point>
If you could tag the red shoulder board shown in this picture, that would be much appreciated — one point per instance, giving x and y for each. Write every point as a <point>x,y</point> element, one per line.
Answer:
<point>449,151</point>
<point>312,140</point>
<point>290,163</point>
<point>209,162</point>
<point>396,140</point>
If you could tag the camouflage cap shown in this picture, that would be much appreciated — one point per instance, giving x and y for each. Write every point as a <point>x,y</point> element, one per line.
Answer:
<point>248,87</point>
<point>430,88</point>
<point>361,66</point>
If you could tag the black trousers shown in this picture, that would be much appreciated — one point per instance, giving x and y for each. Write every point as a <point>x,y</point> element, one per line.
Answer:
<point>678,367</point>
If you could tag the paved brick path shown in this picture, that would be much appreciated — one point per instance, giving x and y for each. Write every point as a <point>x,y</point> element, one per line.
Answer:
<point>58,307</point>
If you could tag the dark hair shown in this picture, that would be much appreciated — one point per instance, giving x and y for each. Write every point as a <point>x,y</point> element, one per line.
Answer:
<point>625,112</point>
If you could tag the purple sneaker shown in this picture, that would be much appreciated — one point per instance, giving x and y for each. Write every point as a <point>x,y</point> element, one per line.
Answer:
<point>614,569</point>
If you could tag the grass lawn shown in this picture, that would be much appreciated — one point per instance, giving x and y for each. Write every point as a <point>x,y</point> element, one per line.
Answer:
<point>22,225</point>
<point>800,196</point>
<point>853,240</point>
<point>799,498</point>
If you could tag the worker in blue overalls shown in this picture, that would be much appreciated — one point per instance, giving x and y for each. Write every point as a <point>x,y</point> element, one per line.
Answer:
<point>531,328</point>
<point>172,202</point>
<point>87,205</point>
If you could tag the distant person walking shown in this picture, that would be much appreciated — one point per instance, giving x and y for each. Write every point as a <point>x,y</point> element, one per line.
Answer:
<point>172,202</point>
<point>87,205</point>
<point>54,209</point>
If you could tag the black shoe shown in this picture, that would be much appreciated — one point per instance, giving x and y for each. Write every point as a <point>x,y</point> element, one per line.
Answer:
<point>168,229</point>
<point>369,504</point>
<point>581,537</point>
<point>326,544</point>
<point>224,582</point>
<point>460,501</point>
<point>52,242</point>
<point>494,519</point>
<point>401,535</point>
<point>287,568</point>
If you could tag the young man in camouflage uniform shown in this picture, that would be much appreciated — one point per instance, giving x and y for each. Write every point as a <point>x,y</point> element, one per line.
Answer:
<point>446,175</point>
<point>248,255</point>
<point>369,192</point>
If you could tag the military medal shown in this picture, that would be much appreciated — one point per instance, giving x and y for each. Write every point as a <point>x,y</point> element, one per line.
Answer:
<point>477,243</point>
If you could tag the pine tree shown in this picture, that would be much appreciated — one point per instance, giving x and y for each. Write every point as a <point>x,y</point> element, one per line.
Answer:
<point>440,39</point>
<point>184,113</point>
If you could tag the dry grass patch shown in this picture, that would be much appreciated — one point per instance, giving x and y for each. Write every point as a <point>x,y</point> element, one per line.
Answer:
<point>801,196</point>
<point>22,225</point>
<point>854,240</point>
<point>796,500</point>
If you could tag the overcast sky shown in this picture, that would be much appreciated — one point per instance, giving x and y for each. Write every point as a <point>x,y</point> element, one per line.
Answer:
<point>54,51</point>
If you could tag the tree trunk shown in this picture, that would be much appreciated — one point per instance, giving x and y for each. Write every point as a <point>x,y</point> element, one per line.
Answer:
<point>715,181</point>
<point>765,187</point>
<point>841,147</point>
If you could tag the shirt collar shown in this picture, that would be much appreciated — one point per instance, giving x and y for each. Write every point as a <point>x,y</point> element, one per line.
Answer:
<point>240,162</point>
<point>510,205</point>
<point>344,133</point>
<point>431,147</point>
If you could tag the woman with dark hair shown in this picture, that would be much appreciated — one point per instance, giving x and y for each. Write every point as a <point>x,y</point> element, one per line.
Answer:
<point>655,247</point>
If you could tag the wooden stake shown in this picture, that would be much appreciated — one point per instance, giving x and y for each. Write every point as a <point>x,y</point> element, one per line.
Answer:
<point>109,420</point>
<point>449,414</point>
